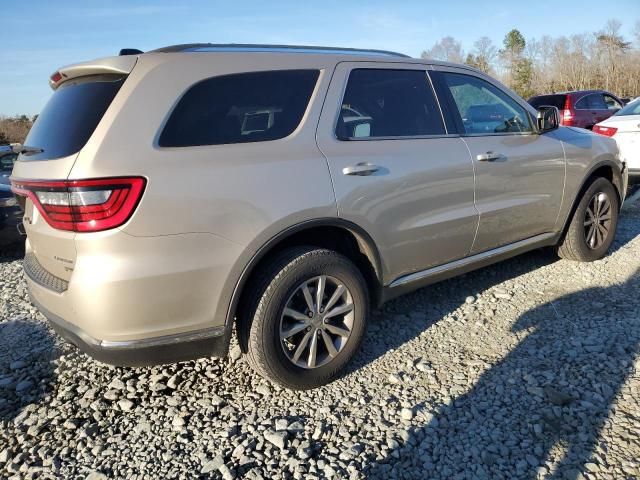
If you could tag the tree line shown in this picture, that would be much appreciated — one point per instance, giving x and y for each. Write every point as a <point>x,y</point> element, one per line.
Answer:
<point>598,60</point>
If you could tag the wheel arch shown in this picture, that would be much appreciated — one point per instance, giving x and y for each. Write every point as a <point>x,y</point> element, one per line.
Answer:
<point>604,169</point>
<point>337,234</point>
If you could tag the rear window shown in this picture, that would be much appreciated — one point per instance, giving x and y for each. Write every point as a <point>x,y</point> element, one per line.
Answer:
<point>71,116</point>
<point>240,108</point>
<point>548,100</point>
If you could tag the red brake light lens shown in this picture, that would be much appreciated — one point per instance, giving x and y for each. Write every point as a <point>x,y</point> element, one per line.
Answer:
<point>606,131</point>
<point>83,205</point>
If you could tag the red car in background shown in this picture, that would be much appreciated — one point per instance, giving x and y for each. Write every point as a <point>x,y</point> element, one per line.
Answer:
<point>582,108</point>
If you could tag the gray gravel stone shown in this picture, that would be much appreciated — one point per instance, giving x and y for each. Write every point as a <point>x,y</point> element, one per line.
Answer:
<point>542,361</point>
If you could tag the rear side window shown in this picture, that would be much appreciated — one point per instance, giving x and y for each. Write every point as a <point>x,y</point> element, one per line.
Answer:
<point>71,115</point>
<point>240,108</point>
<point>388,103</point>
<point>557,101</point>
<point>593,101</point>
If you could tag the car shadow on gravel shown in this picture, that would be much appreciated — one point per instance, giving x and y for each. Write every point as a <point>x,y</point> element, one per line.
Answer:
<point>11,253</point>
<point>445,297</point>
<point>546,401</point>
<point>398,322</point>
<point>26,372</point>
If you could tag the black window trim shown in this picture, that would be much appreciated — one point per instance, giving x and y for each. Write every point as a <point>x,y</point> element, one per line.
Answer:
<point>305,114</point>
<point>424,68</point>
<point>443,91</point>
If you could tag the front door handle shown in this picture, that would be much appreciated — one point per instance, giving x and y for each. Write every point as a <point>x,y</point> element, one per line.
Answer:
<point>361,169</point>
<point>488,157</point>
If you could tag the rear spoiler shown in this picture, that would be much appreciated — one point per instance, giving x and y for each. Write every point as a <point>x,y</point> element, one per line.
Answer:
<point>119,65</point>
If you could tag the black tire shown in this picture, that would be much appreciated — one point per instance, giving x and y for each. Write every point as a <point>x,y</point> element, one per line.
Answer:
<point>271,292</point>
<point>575,245</point>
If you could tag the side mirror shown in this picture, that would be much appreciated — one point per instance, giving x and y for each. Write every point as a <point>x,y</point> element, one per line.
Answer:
<point>548,118</point>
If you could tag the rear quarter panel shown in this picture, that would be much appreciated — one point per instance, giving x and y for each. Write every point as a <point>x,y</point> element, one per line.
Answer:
<point>242,194</point>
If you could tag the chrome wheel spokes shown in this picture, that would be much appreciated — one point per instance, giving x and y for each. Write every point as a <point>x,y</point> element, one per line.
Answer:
<point>316,322</point>
<point>597,221</point>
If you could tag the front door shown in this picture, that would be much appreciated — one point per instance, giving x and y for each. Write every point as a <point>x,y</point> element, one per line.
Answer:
<point>519,173</point>
<point>395,170</point>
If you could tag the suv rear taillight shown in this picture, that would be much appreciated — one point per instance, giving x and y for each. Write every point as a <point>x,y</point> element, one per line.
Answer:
<point>606,131</point>
<point>567,113</point>
<point>83,205</point>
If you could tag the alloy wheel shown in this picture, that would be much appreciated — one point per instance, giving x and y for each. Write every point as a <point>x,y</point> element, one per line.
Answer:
<point>316,322</point>
<point>597,221</point>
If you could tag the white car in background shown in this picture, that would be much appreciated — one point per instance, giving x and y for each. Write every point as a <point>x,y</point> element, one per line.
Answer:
<point>624,127</point>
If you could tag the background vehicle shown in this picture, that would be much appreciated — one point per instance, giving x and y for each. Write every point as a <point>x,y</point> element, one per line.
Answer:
<point>624,127</point>
<point>582,108</point>
<point>285,191</point>
<point>10,214</point>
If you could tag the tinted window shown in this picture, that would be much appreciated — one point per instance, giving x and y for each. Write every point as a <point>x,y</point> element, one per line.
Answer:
<point>71,116</point>
<point>596,102</point>
<point>593,101</point>
<point>583,103</point>
<point>241,108</point>
<point>551,100</point>
<point>388,103</point>
<point>483,108</point>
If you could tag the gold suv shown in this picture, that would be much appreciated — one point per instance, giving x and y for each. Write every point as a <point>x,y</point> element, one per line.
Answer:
<point>173,195</point>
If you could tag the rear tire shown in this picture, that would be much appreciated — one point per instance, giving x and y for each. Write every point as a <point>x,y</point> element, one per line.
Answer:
<point>593,225</point>
<point>285,321</point>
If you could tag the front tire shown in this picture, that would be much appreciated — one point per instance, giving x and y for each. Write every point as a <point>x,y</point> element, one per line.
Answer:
<point>307,317</point>
<point>593,225</point>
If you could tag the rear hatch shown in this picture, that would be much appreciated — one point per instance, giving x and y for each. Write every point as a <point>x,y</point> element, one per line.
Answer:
<point>82,95</point>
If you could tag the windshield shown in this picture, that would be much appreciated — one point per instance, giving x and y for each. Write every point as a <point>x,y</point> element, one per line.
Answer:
<point>632,108</point>
<point>71,116</point>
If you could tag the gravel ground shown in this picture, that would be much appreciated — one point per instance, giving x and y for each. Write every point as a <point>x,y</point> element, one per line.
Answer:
<point>526,369</point>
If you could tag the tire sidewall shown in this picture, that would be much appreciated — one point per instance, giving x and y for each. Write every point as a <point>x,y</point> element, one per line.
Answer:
<point>272,304</point>
<point>599,185</point>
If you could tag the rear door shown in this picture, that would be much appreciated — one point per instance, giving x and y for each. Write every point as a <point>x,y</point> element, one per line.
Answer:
<point>519,173</point>
<point>396,170</point>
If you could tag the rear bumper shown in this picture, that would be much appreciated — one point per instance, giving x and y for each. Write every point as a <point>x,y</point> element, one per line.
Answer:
<point>135,353</point>
<point>634,176</point>
<point>135,301</point>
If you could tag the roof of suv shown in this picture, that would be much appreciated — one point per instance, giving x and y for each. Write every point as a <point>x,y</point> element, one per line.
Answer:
<point>253,48</point>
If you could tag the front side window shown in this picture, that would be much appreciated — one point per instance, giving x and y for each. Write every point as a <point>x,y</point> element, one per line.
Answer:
<point>612,103</point>
<point>388,103</point>
<point>483,108</point>
<point>240,108</point>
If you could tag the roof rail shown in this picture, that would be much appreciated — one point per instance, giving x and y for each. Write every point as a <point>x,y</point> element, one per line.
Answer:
<point>245,47</point>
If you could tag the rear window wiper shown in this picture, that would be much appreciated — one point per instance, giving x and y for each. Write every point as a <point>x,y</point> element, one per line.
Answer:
<point>25,149</point>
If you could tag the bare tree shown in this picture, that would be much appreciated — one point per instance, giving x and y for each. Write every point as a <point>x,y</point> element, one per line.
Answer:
<point>598,60</point>
<point>448,49</point>
<point>483,55</point>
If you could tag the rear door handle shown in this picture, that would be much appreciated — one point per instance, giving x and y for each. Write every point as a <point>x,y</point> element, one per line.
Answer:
<point>488,157</point>
<point>361,169</point>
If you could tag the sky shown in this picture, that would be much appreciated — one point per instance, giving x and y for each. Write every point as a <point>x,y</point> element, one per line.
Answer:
<point>38,36</point>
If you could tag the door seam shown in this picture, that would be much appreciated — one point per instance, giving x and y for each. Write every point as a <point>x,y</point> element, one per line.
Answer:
<point>475,200</point>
